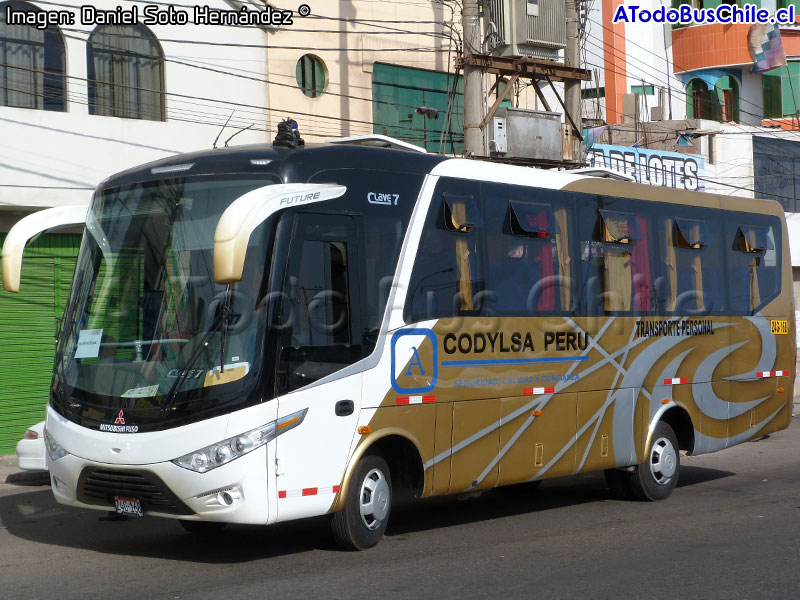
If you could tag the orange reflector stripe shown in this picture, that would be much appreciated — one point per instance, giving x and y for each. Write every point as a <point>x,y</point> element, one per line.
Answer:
<point>287,423</point>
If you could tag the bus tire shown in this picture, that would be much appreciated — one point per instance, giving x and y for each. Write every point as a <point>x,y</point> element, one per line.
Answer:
<point>362,521</point>
<point>202,527</point>
<point>656,477</point>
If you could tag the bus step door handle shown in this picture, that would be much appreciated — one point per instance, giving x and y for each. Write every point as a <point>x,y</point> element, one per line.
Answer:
<point>344,408</point>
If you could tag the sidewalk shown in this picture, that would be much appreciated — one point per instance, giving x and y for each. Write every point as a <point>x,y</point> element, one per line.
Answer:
<point>10,473</point>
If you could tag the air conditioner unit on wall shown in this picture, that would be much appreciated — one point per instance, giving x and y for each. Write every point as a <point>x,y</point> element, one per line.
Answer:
<point>532,28</point>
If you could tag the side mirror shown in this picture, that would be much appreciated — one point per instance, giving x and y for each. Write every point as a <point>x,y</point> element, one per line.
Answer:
<point>28,227</point>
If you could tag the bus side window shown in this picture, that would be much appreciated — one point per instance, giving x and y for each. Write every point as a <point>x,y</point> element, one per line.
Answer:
<point>615,265</point>
<point>527,255</point>
<point>693,266</point>
<point>317,339</point>
<point>446,279</point>
<point>753,270</point>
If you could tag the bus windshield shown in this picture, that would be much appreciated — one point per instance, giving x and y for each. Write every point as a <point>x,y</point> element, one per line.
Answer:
<point>147,329</point>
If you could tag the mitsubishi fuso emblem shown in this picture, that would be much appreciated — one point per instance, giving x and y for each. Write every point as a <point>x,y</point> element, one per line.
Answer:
<point>119,425</point>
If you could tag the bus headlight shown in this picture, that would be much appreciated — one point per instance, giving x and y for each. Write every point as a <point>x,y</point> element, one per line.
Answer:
<point>54,449</point>
<point>216,455</point>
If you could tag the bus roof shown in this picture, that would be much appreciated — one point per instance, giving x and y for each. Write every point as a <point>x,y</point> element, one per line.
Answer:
<point>300,164</point>
<point>290,165</point>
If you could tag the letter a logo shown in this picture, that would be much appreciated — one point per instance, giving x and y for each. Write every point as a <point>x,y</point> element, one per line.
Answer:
<point>418,374</point>
<point>415,361</point>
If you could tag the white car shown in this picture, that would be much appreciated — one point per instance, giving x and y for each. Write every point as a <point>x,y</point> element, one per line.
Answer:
<point>30,449</point>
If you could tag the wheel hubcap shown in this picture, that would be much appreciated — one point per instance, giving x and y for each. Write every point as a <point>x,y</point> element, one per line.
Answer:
<point>375,497</point>
<point>663,461</point>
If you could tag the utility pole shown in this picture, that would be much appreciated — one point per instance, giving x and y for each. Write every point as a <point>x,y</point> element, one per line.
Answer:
<point>473,90</point>
<point>572,88</point>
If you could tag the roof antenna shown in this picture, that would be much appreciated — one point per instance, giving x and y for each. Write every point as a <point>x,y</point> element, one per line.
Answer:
<point>238,132</point>
<point>214,145</point>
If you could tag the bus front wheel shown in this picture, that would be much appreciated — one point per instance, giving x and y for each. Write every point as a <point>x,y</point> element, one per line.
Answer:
<point>362,521</point>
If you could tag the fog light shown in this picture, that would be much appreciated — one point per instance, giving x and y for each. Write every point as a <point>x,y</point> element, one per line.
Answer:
<point>225,498</point>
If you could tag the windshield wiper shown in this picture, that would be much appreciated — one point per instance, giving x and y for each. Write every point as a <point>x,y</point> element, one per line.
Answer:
<point>226,314</point>
<point>169,397</point>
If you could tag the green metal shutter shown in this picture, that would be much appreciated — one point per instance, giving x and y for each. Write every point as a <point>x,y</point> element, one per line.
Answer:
<point>398,91</point>
<point>27,328</point>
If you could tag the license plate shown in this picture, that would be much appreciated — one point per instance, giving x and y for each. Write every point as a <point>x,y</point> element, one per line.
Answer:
<point>128,506</point>
<point>779,327</point>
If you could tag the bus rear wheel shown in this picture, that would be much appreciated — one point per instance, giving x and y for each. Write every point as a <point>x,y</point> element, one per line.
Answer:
<point>657,476</point>
<point>362,521</point>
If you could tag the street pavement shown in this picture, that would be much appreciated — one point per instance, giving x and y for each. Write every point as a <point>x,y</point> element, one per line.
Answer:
<point>729,531</point>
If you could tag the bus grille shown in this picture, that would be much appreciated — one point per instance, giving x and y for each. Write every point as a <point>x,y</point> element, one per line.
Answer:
<point>98,487</point>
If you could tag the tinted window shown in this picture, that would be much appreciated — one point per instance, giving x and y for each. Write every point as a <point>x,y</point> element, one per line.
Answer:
<point>692,255</point>
<point>340,263</point>
<point>447,275</point>
<point>527,250</point>
<point>320,306</point>
<point>754,261</point>
<point>616,274</point>
<point>383,201</point>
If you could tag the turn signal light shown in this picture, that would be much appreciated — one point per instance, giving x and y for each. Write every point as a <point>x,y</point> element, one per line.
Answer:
<point>781,390</point>
<point>364,429</point>
<point>665,401</point>
<point>537,413</point>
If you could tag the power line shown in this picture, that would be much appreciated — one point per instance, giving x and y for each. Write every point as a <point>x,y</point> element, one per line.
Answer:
<point>625,56</point>
<point>730,185</point>
<point>652,125</point>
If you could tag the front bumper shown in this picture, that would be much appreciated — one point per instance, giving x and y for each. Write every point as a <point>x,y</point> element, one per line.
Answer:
<point>237,492</point>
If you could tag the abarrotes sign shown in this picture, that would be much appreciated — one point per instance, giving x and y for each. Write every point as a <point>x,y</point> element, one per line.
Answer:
<point>653,167</point>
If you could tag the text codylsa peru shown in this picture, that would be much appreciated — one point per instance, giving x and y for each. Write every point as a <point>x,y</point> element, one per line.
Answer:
<point>516,341</point>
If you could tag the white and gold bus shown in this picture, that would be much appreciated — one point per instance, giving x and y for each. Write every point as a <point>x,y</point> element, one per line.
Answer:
<point>260,334</point>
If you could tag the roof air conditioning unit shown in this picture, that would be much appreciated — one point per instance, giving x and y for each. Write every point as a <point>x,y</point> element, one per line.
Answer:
<point>531,28</point>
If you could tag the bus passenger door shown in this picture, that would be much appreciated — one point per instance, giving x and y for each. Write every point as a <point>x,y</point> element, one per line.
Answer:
<point>320,316</point>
